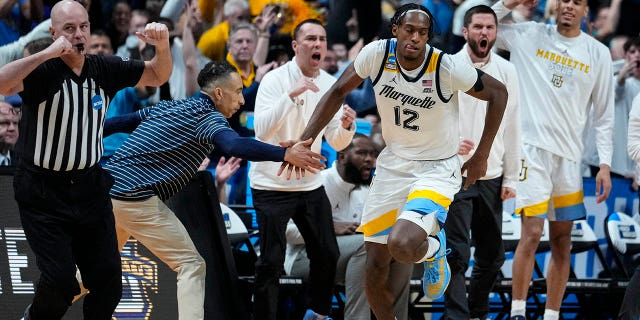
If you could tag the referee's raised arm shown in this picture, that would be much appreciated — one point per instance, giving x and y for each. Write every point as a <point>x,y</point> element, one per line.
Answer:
<point>12,74</point>
<point>157,71</point>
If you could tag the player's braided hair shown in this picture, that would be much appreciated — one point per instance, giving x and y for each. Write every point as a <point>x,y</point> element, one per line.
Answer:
<point>402,11</point>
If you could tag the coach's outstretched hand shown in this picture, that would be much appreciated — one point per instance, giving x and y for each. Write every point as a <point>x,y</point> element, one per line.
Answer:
<point>300,158</point>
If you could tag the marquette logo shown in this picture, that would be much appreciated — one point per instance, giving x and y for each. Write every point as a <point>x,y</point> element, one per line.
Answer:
<point>556,80</point>
<point>139,278</point>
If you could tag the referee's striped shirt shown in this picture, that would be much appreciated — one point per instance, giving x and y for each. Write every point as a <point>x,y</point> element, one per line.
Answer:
<point>160,156</point>
<point>63,113</point>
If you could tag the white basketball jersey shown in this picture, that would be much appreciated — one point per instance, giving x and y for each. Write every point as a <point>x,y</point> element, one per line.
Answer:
<point>418,121</point>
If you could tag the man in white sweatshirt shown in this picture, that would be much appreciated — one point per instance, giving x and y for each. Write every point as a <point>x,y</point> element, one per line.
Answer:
<point>285,101</point>
<point>563,74</point>
<point>477,212</point>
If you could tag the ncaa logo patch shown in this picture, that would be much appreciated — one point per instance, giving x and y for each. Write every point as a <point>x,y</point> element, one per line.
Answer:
<point>390,64</point>
<point>96,102</point>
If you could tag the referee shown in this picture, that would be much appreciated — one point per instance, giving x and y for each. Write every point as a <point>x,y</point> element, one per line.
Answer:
<point>62,194</point>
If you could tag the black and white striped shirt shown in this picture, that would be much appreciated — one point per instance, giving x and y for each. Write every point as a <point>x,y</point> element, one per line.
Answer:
<point>63,113</point>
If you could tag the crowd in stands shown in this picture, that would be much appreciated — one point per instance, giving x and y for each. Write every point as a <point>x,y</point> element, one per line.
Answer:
<point>255,37</point>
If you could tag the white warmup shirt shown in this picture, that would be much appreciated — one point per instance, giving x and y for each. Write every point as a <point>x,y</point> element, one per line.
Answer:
<point>504,158</point>
<point>277,118</point>
<point>560,78</point>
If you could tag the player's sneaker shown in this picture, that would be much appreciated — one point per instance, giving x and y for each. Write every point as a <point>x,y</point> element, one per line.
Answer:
<point>310,315</point>
<point>437,273</point>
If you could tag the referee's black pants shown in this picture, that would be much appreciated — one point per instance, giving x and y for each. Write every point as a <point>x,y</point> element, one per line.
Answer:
<point>479,210</point>
<point>68,221</point>
<point>311,211</point>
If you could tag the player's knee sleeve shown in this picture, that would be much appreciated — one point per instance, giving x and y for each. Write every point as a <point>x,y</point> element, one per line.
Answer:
<point>428,222</point>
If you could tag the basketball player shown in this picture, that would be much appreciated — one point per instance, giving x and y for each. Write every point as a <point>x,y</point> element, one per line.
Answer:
<point>418,172</point>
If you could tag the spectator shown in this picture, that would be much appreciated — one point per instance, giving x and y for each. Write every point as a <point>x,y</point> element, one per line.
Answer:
<point>622,18</point>
<point>627,86</point>
<point>330,62</point>
<point>475,215</point>
<point>347,185</point>
<point>418,173</point>
<point>100,44</point>
<point>599,23</point>
<point>118,28</point>
<point>37,45</point>
<point>571,71</point>
<point>9,118</point>
<point>289,14</point>
<point>243,42</point>
<point>73,224</point>
<point>365,16</point>
<point>212,42</point>
<point>616,47</point>
<point>287,95</point>
<point>139,18</point>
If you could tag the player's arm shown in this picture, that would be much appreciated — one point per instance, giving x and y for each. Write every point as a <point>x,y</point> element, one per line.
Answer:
<point>229,142</point>
<point>157,71</point>
<point>603,98</point>
<point>503,7</point>
<point>633,139</point>
<point>495,93</point>
<point>331,102</point>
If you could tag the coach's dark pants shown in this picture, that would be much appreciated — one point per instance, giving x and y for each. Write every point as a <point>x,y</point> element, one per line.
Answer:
<point>68,221</point>
<point>311,211</point>
<point>479,210</point>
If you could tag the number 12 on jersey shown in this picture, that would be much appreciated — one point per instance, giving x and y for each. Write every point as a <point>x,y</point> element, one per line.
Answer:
<point>404,118</point>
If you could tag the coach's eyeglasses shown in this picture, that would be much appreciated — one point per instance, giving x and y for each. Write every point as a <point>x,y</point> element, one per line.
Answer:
<point>4,109</point>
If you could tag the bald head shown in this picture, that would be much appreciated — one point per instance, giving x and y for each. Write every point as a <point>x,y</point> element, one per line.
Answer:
<point>70,19</point>
<point>65,7</point>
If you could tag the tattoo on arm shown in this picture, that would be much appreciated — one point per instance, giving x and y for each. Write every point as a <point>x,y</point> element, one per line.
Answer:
<point>479,86</point>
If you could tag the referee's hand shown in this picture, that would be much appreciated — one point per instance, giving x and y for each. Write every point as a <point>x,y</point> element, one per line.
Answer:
<point>60,47</point>
<point>155,34</point>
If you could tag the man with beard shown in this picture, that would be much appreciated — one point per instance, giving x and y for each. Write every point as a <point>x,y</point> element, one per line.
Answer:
<point>476,213</point>
<point>565,75</point>
<point>347,186</point>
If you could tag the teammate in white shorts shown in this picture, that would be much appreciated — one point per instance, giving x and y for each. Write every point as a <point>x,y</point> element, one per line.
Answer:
<point>563,73</point>
<point>418,173</point>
